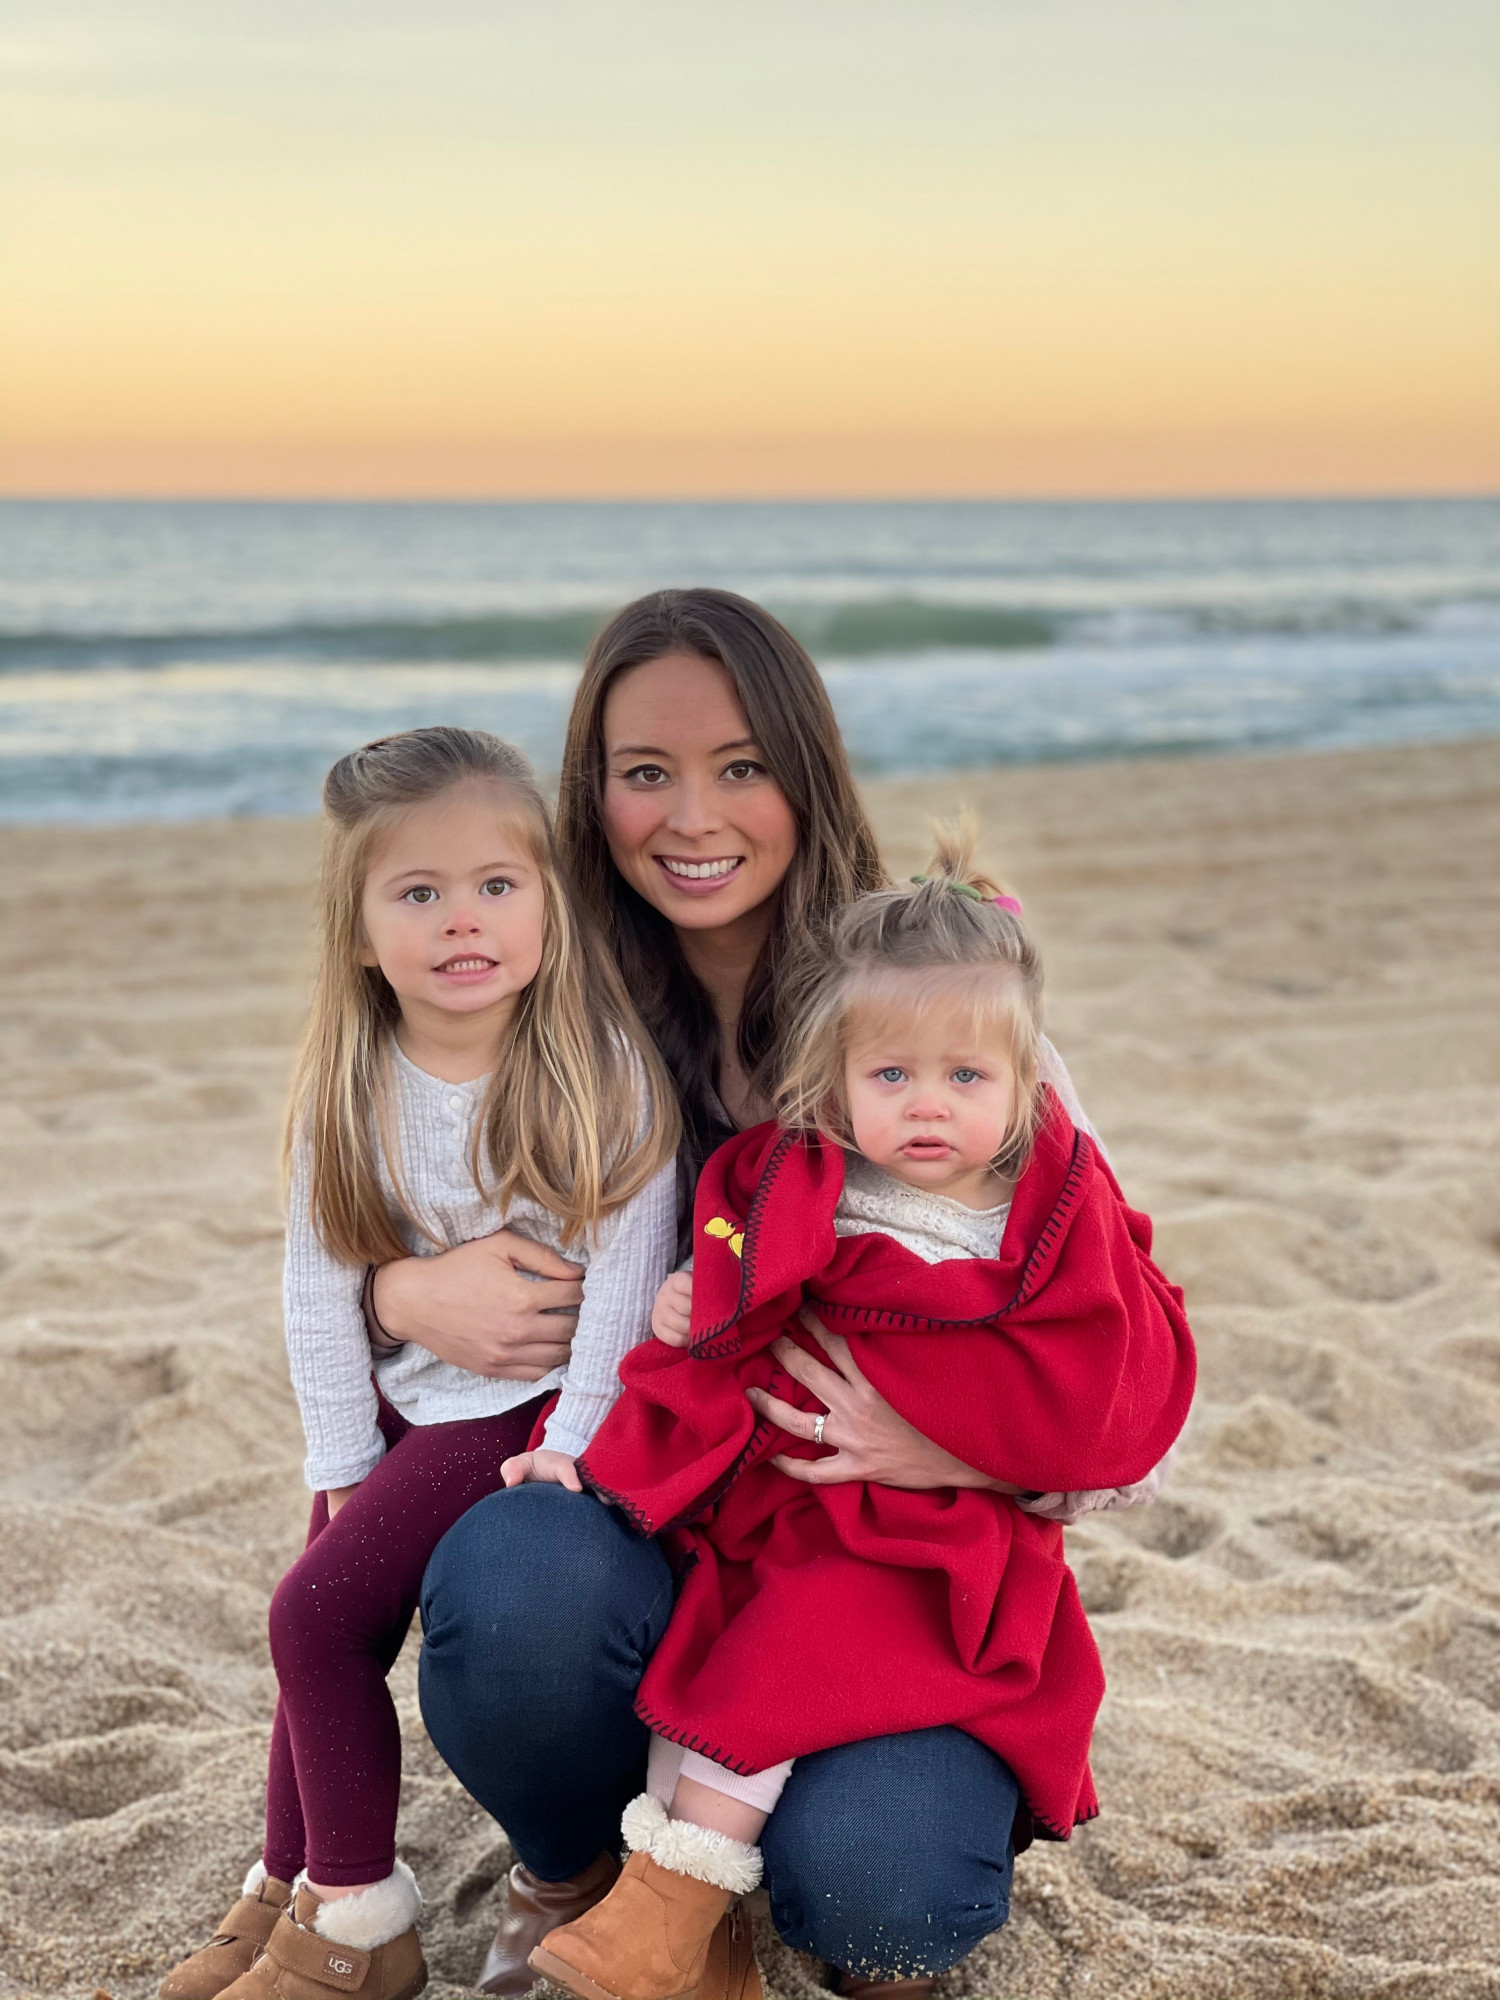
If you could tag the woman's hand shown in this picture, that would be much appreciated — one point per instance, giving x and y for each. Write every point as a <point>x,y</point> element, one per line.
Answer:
<point>541,1468</point>
<point>870,1440</point>
<point>472,1306</point>
<point>337,1495</point>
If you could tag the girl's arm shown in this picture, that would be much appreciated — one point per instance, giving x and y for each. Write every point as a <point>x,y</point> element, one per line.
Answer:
<point>636,1251</point>
<point>327,1350</point>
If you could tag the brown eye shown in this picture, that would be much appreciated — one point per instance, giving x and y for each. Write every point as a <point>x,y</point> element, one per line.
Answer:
<point>422,893</point>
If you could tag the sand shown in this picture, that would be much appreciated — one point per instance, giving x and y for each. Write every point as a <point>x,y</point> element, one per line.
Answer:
<point>1277,983</point>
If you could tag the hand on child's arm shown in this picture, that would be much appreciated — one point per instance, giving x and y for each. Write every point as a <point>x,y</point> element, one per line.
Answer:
<point>541,1468</point>
<point>672,1315</point>
<point>336,1496</point>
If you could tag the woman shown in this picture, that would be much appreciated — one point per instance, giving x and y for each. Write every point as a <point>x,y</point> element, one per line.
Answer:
<point>711,819</point>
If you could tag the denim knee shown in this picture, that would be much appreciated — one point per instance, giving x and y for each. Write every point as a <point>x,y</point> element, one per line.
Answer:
<point>892,1858</point>
<point>535,1579</point>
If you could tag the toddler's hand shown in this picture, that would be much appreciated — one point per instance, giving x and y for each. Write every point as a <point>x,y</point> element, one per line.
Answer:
<point>541,1468</point>
<point>672,1315</point>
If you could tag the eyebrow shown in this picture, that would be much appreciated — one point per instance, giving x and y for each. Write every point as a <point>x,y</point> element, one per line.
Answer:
<point>484,868</point>
<point>655,749</point>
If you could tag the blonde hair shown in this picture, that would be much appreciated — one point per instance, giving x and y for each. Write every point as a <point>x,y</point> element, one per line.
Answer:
<point>942,937</point>
<point>562,1123</point>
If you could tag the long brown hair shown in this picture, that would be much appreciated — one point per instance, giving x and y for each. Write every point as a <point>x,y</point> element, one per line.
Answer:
<point>579,1113</point>
<point>792,721</point>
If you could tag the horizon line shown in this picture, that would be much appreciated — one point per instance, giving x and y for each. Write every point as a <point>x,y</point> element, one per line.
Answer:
<point>335,498</point>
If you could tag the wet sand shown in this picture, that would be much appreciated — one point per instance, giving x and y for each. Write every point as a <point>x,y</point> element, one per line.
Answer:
<point>1276,981</point>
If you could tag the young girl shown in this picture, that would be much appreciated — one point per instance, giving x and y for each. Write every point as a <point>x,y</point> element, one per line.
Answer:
<point>471,1061</point>
<point>930,1201</point>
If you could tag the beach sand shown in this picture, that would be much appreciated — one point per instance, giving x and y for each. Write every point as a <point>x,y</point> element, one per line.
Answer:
<point>1278,983</point>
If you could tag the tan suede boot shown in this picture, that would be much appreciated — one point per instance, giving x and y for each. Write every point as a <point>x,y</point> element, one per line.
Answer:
<point>364,1946</point>
<point>651,1937</point>
<point>236,1944</point>
<point>532,1908</point>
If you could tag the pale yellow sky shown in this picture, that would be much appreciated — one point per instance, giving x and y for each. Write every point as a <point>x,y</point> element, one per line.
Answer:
<point>785,246</point>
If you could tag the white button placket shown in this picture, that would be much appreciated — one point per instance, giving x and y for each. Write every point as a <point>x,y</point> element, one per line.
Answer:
<point>458,1164</point>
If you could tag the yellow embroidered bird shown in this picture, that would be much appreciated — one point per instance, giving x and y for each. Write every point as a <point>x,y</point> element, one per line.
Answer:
<point>734,1237</point>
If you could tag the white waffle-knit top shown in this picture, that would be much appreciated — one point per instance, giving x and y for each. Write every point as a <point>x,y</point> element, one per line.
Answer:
<point>933,1227</point>
<point>327,1344</point>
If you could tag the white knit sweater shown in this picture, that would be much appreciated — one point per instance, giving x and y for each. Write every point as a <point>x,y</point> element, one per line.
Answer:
<point>326,1339</point>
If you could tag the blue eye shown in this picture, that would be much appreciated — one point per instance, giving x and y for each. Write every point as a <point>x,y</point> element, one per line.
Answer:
<point>892,1075</point>
<point>422,893</point>
<point>966,1076</point>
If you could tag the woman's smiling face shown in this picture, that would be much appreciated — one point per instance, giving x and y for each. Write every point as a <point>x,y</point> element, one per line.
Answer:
<point>694,820</point>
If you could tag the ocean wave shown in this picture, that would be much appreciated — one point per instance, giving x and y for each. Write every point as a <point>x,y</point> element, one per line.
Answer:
<point>848,629</point>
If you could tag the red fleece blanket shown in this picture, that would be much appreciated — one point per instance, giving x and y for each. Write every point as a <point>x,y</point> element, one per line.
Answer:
<point>815,1615</point>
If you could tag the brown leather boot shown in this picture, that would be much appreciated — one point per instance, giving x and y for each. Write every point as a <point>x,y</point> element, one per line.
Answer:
<point>362,1947</point>
<point>236,1944</point>
<point>652,1936</point>
<point>532,1908</point>
<point>730,1971</point>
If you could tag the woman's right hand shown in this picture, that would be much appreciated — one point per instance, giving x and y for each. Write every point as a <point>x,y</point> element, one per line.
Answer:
<point>473,1306</point>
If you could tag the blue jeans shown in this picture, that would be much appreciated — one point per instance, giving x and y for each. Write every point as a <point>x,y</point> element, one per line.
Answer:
<point>888,1858</point>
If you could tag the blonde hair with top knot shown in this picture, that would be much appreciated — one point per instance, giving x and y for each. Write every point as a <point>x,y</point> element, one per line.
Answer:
<point>893,950</point>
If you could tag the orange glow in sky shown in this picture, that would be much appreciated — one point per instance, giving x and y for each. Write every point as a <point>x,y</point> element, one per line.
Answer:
<point>791,247</point>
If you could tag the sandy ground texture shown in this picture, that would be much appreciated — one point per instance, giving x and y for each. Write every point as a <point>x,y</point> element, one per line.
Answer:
<point>1277,983</point>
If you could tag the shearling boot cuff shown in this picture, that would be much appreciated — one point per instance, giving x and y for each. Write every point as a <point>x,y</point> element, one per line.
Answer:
<point>376,1916</point>
<point>685,1849</point>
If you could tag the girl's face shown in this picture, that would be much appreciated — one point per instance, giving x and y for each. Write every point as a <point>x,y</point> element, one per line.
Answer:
<point>931,1094</point>
<point>694,820</point>
<point>453,907</point>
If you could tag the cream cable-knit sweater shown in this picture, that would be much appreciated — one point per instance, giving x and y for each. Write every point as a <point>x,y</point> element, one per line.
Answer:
<point>326,1339</point>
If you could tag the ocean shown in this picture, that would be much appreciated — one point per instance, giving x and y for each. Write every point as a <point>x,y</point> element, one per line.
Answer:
<point>164,660</point>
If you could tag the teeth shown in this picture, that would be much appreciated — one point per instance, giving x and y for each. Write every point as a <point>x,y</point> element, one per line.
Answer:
<point>466,964</point>
<point>697,871</point>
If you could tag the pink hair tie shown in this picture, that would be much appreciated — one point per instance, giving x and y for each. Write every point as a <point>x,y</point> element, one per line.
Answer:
<point>1011,903</point>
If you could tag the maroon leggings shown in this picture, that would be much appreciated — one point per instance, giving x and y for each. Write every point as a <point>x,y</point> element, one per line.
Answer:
<point>338,1620</point>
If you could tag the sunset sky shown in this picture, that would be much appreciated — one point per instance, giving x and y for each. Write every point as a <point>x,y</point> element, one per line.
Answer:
<point>750,246</point>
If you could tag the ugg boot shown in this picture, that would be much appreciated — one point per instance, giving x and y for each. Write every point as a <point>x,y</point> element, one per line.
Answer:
<point>236,1944</point>
<point>532,1908</point>
<point>365,1946</point>
<point>650,1938</point>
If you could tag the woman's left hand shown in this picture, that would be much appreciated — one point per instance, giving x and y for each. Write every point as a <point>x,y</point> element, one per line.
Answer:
<point>871,1441</point>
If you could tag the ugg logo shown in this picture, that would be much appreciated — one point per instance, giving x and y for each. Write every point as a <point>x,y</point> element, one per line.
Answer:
<point>340,1964</point>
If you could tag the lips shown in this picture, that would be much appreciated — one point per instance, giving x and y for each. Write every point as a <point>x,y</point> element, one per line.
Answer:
<point>474,962</point>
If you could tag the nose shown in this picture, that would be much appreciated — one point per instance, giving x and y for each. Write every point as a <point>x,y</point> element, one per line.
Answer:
<point>462,921</point>
<point>694,811</point>
<point>927,1106</point>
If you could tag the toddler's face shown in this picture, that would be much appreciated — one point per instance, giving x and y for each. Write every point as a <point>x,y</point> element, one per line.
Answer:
<point>930,1096</point>
<point>453,905</point>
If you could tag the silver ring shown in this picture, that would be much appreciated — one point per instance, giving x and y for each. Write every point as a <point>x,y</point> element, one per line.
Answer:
<point>818,1428</point>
